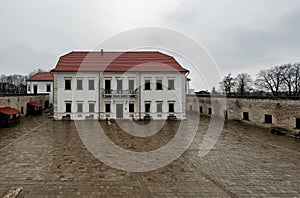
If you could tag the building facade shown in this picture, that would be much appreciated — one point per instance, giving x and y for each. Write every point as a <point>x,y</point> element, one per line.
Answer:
<point>114,85</point>
<point>41,83</point>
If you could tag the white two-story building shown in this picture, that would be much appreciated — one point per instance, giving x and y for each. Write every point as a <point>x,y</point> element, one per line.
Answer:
<point>119,85</point>
<point>41,83</point>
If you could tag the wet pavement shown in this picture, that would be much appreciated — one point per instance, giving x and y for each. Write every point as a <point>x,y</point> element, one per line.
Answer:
<point>48,159</point>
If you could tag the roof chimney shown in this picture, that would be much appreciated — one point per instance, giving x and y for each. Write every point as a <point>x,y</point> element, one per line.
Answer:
<point>102,52</point>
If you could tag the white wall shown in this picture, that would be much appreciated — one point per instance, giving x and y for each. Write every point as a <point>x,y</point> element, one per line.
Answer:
<point>164,95</point>
<point>75,95</point>
<point>41,88</point>
<point>177,95</point>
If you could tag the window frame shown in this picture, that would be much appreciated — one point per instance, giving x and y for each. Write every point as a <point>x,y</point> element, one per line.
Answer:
<point>66,107</point>
<point>107,105</point>
<point>268,119</point>
<point>171,80</point>
<point>80,103</point>
<point>92,103</point>
<point>246,116</point>
<point>159,84</point>
<point>147,83</point>
<point>70,80</point>
<point>161,106</point>
<point>77,88</point>
<point>89,84</point>
<point>131,79</point>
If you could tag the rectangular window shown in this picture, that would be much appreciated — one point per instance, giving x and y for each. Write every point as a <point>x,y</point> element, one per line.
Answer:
<point>131,85</point>
<point>268,119</point>
<point>159,107</point>
<point>131,108</point>
<point>119,85</point>
<point>171,107</point>
<point>68,107</point>
<point>147,85</point>
<point>48,89</point>
<point>29,88</point>
<point>201,109</point>
<point>209,111</point>
<point>79,84</point>
<point>79,107</point>
<point>107,107</point>
<point>245,115</point>
<point>147,107</point>
<point>91,107</point>
<point>170,84</point>
<point>68,84</point>
<point>107,85</point>
<point>159,85</point>
<point>297,123</point>
<point>91,84</point>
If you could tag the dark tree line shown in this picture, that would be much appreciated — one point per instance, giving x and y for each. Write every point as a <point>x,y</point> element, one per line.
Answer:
<point>12,84</point>
<point>281,80</point>
<point>15,84</point>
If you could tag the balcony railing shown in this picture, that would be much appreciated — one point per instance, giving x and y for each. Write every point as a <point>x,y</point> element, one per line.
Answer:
<point>120,93</point>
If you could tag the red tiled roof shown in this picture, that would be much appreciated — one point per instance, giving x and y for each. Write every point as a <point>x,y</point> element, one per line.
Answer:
<point>41,76</point>
<point>9,111</point>
<point>35,104</point>
<point>118,61</point>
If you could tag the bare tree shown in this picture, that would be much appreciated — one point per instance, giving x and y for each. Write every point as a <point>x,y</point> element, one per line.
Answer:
<point>291,78</point>
<point>12,84</point>
<point>287,76</point>
<point>243,83</point>
<point>297,79</point>
<point>228,84</point>
<point>270,80</point>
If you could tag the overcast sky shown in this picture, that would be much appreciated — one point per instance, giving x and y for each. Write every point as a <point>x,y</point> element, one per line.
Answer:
<point>241,35</point>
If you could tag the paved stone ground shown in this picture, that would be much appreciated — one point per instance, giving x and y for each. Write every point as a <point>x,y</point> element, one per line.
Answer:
<point>48,159</point>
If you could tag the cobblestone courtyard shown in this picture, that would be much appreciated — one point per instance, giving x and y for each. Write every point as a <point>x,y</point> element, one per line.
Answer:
<point>48,159</point>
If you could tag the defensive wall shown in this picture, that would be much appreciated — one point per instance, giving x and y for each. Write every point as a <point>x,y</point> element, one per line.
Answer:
<point>20,101</point>
<point>265,112</point>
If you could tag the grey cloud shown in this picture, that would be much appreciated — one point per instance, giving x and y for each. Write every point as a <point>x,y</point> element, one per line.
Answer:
<point>242,36</point>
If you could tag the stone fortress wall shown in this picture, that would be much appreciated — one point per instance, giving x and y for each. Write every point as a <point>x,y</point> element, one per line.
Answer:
<point>283,113</point>
<point>20,101</point>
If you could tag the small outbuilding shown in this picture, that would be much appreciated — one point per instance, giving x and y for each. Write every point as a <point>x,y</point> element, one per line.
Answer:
<point>34,108</point>
<point>41,83</point>
<point>9,117</point>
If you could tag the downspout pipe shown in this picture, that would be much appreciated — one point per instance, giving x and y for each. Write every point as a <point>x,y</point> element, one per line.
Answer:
<point>140,99</point>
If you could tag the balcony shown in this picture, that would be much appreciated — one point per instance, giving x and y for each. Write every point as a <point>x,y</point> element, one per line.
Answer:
<point>120,93</point>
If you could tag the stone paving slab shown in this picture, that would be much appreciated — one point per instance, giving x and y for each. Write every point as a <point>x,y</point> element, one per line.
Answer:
<point>50,160</point>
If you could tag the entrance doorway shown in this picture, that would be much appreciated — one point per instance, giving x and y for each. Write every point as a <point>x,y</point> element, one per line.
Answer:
<point>46,105</point>
<point>35,89</point>
<point>225,114</point>
<point>119,108</point>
